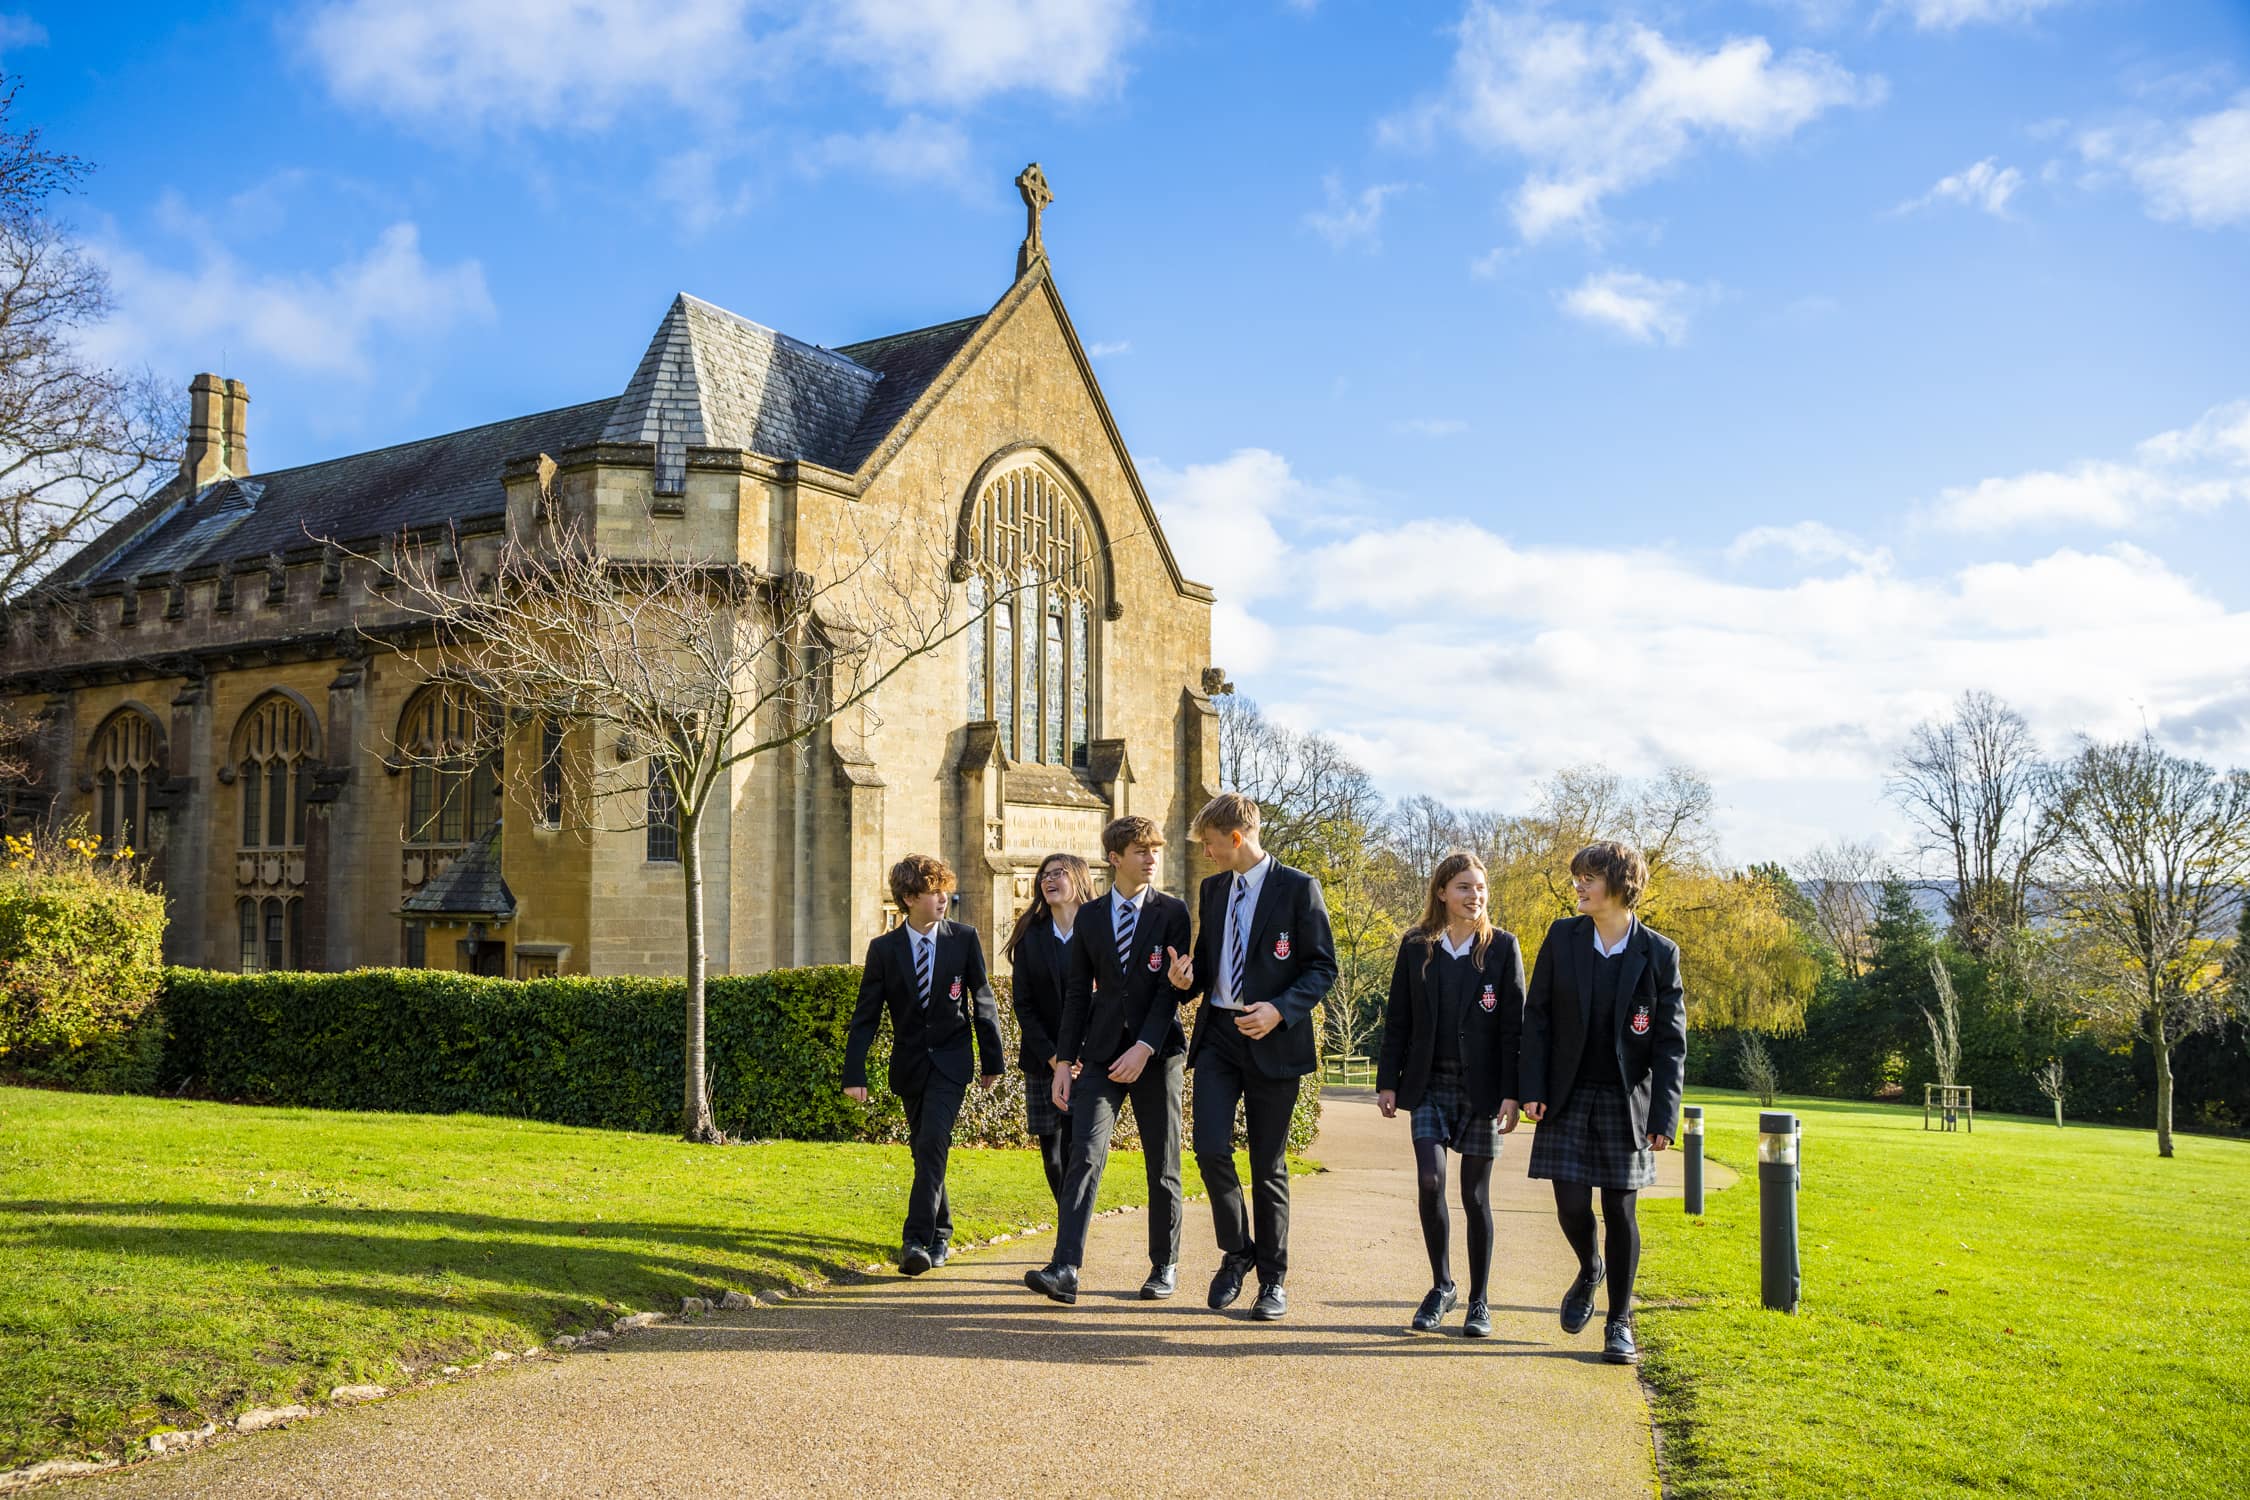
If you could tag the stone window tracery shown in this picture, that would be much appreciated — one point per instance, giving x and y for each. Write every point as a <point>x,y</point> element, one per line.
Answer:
<point>453,791</point>
<point>273,753</point>
<point>1031,554</point>
<point>127,758</point>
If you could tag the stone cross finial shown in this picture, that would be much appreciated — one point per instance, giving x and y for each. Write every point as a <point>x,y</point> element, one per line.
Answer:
<point>1032,183</point>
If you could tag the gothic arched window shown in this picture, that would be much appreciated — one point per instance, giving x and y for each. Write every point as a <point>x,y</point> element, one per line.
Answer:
<point>273,753</point>
<point>1031,559</point>
<point>453,790</point>
<point>127,756</point>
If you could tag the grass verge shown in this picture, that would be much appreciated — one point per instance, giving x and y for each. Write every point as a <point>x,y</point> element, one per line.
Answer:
<point>2024,1311</point>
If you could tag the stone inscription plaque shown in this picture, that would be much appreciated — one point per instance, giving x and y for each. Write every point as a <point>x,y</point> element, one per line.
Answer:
<point>1034,832</point>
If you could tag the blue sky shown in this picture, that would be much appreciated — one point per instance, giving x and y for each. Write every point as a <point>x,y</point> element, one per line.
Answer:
<point>1539,383</point>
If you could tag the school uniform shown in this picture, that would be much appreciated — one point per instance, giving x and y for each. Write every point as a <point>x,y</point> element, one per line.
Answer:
<point>1042,961</point>
<point>1605,1049</point>
<point>943,1018</point>
<point>1263,938</point>
<point>1452,1038</point>
<point>1120,995</point>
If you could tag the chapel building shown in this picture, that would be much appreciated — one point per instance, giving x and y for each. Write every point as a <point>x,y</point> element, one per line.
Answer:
<point>209,686</point>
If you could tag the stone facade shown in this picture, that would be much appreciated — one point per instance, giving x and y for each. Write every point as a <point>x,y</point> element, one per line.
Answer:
<point>239,699</point>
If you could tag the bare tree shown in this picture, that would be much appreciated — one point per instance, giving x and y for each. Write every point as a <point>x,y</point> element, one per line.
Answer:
<point>685,668</point>
<point>1306,787</point>
<point>1839,882</point>
<point>1756,1065</point>
<point>2152,853</point>
<point>2049,1080</point>
<point>1945,1026</point>
<point>1969,784</point>
<point>77,441</point>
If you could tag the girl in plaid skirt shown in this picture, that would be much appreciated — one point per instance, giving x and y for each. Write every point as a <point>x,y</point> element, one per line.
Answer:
<point>1604,1059</point>
<point>1039,951</point>
<point>1451,1035</point>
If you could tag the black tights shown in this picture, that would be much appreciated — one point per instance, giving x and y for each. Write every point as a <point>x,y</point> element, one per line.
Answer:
<point>1574,1205</point>
<point>1437,1226</point>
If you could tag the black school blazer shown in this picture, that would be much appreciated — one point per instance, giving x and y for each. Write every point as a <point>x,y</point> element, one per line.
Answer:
<point>1042,967</point>
<point>1107,1008</point>
<point>932,1042</point>
<point>1491,1040</point>
<point>1290,963</point>
<point>1650,1035</point>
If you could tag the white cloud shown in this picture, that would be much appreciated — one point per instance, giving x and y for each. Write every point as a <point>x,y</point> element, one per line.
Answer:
<point>1952,15</point>
<point>916,150</point>
<point>1598,110</point>
<point>1104,350</point>
<point>1350,221</point>
<point>700,185</point>
<point>1642,308</point>
<point>19,30</point>
<point>2198,171</point>
<point>1808,542</point>
<point>1984,185</point>
<point>2194,468</point>
<point>447,65</point>
<point>322,322</point>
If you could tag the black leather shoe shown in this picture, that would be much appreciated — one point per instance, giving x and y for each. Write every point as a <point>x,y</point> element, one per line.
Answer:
<point>1227,1285</point>
<point>1479,1324</point>
<point>1162,1282</point>
<point>914,1259</point>
<point>940,1253</point>
<point>1434,1307</point>
<point>1578,1302</point>
<point>1272,1304</point>
<point>1618,1347</point>
<point>1057,1282</point>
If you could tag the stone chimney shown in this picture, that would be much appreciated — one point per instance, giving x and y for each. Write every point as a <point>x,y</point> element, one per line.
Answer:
<point>205,459</point>
<point>238,438</point>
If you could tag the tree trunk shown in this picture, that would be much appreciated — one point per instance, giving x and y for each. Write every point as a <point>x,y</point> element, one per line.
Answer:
<point>2163,1048</point>
<point>2058,1114</point>
<point>695,1114</point>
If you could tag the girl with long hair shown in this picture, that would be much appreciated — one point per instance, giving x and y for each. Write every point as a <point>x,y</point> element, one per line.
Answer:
<point>1451,1036</point>
<point>1039,951</point>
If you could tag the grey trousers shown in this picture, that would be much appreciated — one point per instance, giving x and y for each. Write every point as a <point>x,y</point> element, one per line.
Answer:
<point>1095,1103</point>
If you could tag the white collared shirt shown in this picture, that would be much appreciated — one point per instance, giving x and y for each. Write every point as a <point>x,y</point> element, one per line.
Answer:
<point>1606,952</point>
<point>1255,878</point>
<point>1446,943</point>
<point>1121,903</point>
<point>924,942</point>
<point>1061,936</point>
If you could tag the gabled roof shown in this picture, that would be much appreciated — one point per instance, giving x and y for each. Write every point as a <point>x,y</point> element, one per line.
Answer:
<point>468,889</point>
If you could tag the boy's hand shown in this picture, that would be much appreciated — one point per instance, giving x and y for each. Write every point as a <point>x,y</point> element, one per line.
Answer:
<point>989,1082</point>
<point>1128,1066</point>
<point>1387,1101</point>
<point>857,1094</point>
<point>1182,972</point>
<point>1257,1020</point>
<point>1060,1092</point>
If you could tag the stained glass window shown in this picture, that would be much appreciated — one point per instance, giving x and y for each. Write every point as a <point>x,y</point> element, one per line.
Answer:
<point>1030,549</point>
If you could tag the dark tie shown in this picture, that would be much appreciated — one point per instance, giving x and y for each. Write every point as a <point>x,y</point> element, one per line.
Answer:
<point>1241,944</point>
<point>924,948</point>
<point>1127,920</point>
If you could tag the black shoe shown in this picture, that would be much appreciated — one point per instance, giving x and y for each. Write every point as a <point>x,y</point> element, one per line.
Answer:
<point>914,1260</point>
<point>1618,1347</point>
<point>1578,1302</point>
<point>1479,1324</point>
<point>1162,1282</point>
<point>1434,1307</point>
<point>1227,1285</point>
<point>940,1253</point>
<point>1057,1282</point>
<point>1272,1304</point>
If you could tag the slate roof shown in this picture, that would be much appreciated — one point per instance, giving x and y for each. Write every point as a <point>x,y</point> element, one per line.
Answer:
<point>469,887</point>
<point>708,379</point>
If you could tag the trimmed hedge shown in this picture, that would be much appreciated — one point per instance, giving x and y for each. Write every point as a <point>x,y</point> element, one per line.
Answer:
<point>607,1053</point>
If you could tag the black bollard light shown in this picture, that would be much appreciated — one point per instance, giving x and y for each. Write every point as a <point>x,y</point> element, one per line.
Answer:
<point>1691,1161</point>
<point>1779,1278</point>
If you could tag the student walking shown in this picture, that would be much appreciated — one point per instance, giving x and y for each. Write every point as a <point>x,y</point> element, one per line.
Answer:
<point>1263,959</point>
<point>1121,1040</point>
<point>929,974</point>
<point>1604,1061</point>
<point>1039,951</point>
<point>1452,1035</point>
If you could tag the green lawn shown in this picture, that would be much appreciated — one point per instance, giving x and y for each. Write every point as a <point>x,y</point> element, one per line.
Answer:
<point>2022,1311</point>
<point>164,1262</point>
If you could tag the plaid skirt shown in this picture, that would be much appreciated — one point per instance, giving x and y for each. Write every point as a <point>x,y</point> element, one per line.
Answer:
<point>1443,1115</point>
<point>1039,1112</point>
<point>1590,1140</point>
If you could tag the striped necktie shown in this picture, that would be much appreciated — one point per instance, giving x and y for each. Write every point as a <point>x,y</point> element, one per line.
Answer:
<point>1127,921</point>
<point>925,949</point>
<point>1239,921</point>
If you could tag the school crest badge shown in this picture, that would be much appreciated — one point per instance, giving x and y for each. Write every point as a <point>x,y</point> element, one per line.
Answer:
<point>1491,998</point>
<point>1155,961</point>
<point>1281,947</point>
<point>955,992</point>
<point>1640,1022</point>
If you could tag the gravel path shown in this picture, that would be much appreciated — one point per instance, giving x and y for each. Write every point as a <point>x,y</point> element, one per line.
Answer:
<point>965,1383</point>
